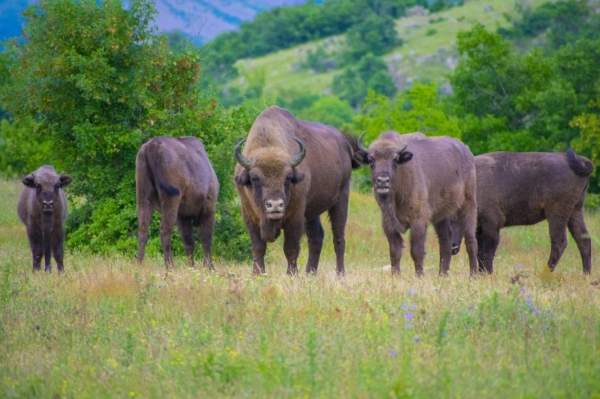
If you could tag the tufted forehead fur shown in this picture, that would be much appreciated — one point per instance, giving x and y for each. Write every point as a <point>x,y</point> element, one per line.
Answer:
<point>270,129</point>
<point>390,142</point>
<point>268,142</point>
<point>46,175</point>
<point>386,145</point>
<point>271,160</point>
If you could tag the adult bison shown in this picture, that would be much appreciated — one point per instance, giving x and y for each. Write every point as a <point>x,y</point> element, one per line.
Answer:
<point>419,180</point>
<point>43,209</point>
<point>289,173</point>
<point>525,188</point>
<point>174,176</point>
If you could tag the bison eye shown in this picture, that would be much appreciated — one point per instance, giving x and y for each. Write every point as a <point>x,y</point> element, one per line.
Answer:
<point>371,161</point>
<point>254,179</point>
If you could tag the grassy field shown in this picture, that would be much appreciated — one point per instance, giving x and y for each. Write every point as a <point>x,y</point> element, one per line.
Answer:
<point>428,51</point>
<point>111,328</point>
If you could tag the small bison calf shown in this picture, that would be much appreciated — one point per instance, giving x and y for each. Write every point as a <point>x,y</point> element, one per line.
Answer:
<point>43,209</point>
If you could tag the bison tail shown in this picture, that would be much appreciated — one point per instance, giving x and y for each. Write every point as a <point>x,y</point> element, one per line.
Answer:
<point>159,179</point>
<point>579,165</point>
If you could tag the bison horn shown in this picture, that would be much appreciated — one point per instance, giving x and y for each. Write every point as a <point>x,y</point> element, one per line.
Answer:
<point>360,144</point>
<point>300,155</point>
<point>242,160</point>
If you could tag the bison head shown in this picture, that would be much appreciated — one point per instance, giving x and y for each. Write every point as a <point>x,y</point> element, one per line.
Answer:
<point>269,175</point>
<point>384,160</point>
<point>47,186</point>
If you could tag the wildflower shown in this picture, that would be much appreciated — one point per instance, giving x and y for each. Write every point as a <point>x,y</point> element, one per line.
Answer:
<point>534,309</point>
<point>393,353</point>
<point>417,339</point>
<point>408,306</point>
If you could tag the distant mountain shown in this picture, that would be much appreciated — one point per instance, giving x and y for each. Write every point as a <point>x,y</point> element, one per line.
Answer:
<point>204,19</point>
<point>201,20</point>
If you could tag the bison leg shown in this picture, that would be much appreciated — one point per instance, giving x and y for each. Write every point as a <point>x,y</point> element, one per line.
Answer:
<point>37,250</point>
<point>186,228</point>
<point>488,238</point>
<point>467,219</point>
<point>418,233</point>
<point>58,250</point>
<point>339,215</point>
<point>582,238</point>
<point>315,234</point>
<point>444,234</point>
<point>167,222</point>
<point>144,218</point>
<point>395,244</point>
<point>291,245</point>
<point>259,247</point>
<point>207,227</point>
<point>47,253</point>
<point>558,239</point>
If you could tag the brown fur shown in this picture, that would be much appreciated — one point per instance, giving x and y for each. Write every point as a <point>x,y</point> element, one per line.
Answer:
<point>321,182</point>
<point>526,188</point>
<point>43,209</point>
<point>175,177</point>
<point>420,180</point>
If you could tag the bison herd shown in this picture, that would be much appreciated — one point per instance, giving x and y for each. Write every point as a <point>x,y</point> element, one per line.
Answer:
<point>289,172</point>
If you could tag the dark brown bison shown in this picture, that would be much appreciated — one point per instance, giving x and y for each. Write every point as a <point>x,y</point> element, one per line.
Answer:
<point>174,176</point>
<point>419,180</point>
<point>289,173</point>
<point>525,188</point>
<point>43,209</point>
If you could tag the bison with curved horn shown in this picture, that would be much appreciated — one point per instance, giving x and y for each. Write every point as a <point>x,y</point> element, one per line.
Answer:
<point>289,173</point>
<point>419,180</point>
<point>173,175</point>
<point>515,189</point>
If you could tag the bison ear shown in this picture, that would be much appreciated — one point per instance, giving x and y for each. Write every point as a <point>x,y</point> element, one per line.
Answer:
<point>64,180</point>
<point>297,177</point>
<point>403,157</point>
<point>29,181</point>
<point>243,179</point>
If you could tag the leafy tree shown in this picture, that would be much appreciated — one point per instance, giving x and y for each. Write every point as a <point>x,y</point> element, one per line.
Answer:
<point>562,20</point>
<point>329,110</point>
<point>95,82</point>
<point>419,109</point>
<point>369,73</point>
<point>374,34</point>
<point>319,60</point>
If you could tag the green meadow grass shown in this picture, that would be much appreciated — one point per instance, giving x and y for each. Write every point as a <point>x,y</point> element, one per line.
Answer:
<point>108,327</point>
<point>428,42</point>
